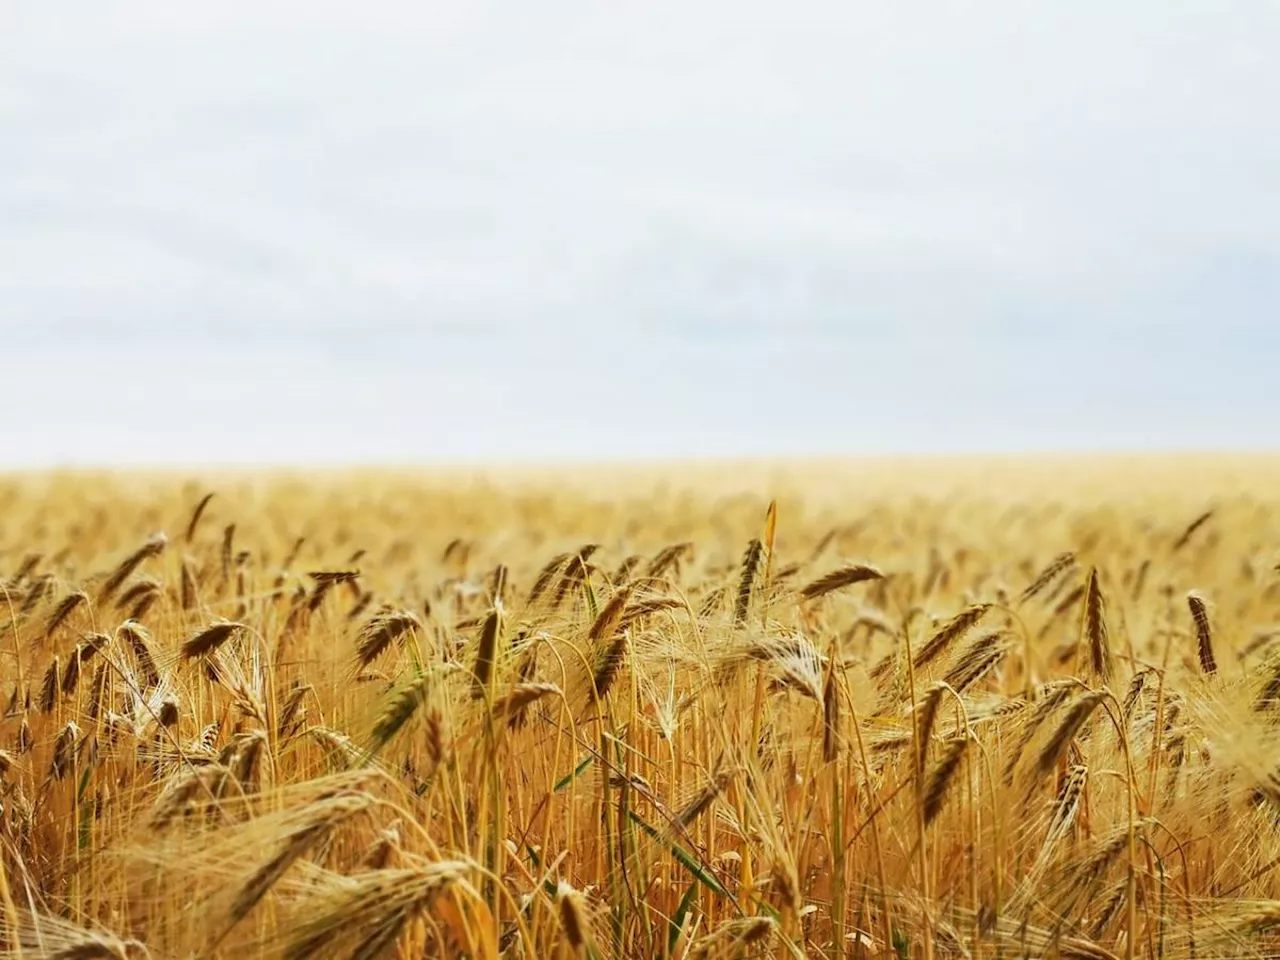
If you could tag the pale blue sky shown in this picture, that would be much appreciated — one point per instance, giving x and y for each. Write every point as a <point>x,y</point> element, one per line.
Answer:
<point>270,231</point>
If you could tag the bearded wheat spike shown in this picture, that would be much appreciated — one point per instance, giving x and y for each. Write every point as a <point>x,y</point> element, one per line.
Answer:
<point>1204,633</point>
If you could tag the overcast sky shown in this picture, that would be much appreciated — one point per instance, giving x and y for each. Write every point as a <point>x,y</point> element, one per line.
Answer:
<point>255,230</point>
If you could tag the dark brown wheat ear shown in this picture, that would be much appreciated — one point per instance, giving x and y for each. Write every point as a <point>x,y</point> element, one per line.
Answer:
<point>196,514</point>
<point>948,633</point>
<point>1192,527</point>
<point>399,710</point>
<point>144,590</point>
<point>667,557</point>
<point>542,582</point>
<point>228,551</point>
<point>138,641</point>
<point>153,547</point>
<point>49,688</point>
<point>1059,565</point>
<point>1066,731</point>
<point>606,624</point>
<point>752,564</point>
<point>838,579</point>
<point>513,703</point>
<point>574,921</point>
<point>928,712</point>
<point>976,659</point>
<point>486,652</point>
<point>206,641</point>
<point>1204,633</point>
<point>703,799</point>
<point>943,775</point>
<point>831,714</point>
<point>1094,629</point>
<point>380,632</point>
<point>64,610</point>
<point>609,663</point>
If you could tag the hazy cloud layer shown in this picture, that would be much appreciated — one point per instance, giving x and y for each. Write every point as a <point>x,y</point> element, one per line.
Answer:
<point>275,230</point>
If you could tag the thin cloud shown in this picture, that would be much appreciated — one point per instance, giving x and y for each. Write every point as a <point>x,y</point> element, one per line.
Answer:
<point>1055,186</point>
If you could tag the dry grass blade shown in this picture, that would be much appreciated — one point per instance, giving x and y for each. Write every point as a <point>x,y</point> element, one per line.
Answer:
<point>838,579</point>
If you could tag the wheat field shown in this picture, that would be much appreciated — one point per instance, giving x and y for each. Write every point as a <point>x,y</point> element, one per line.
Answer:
<point>926,708</point>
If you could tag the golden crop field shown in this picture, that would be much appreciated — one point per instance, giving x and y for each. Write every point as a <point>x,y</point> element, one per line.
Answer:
<point>926,708</point>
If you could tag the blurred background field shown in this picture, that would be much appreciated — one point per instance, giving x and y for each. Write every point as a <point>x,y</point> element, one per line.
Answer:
<point>928,707</point>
